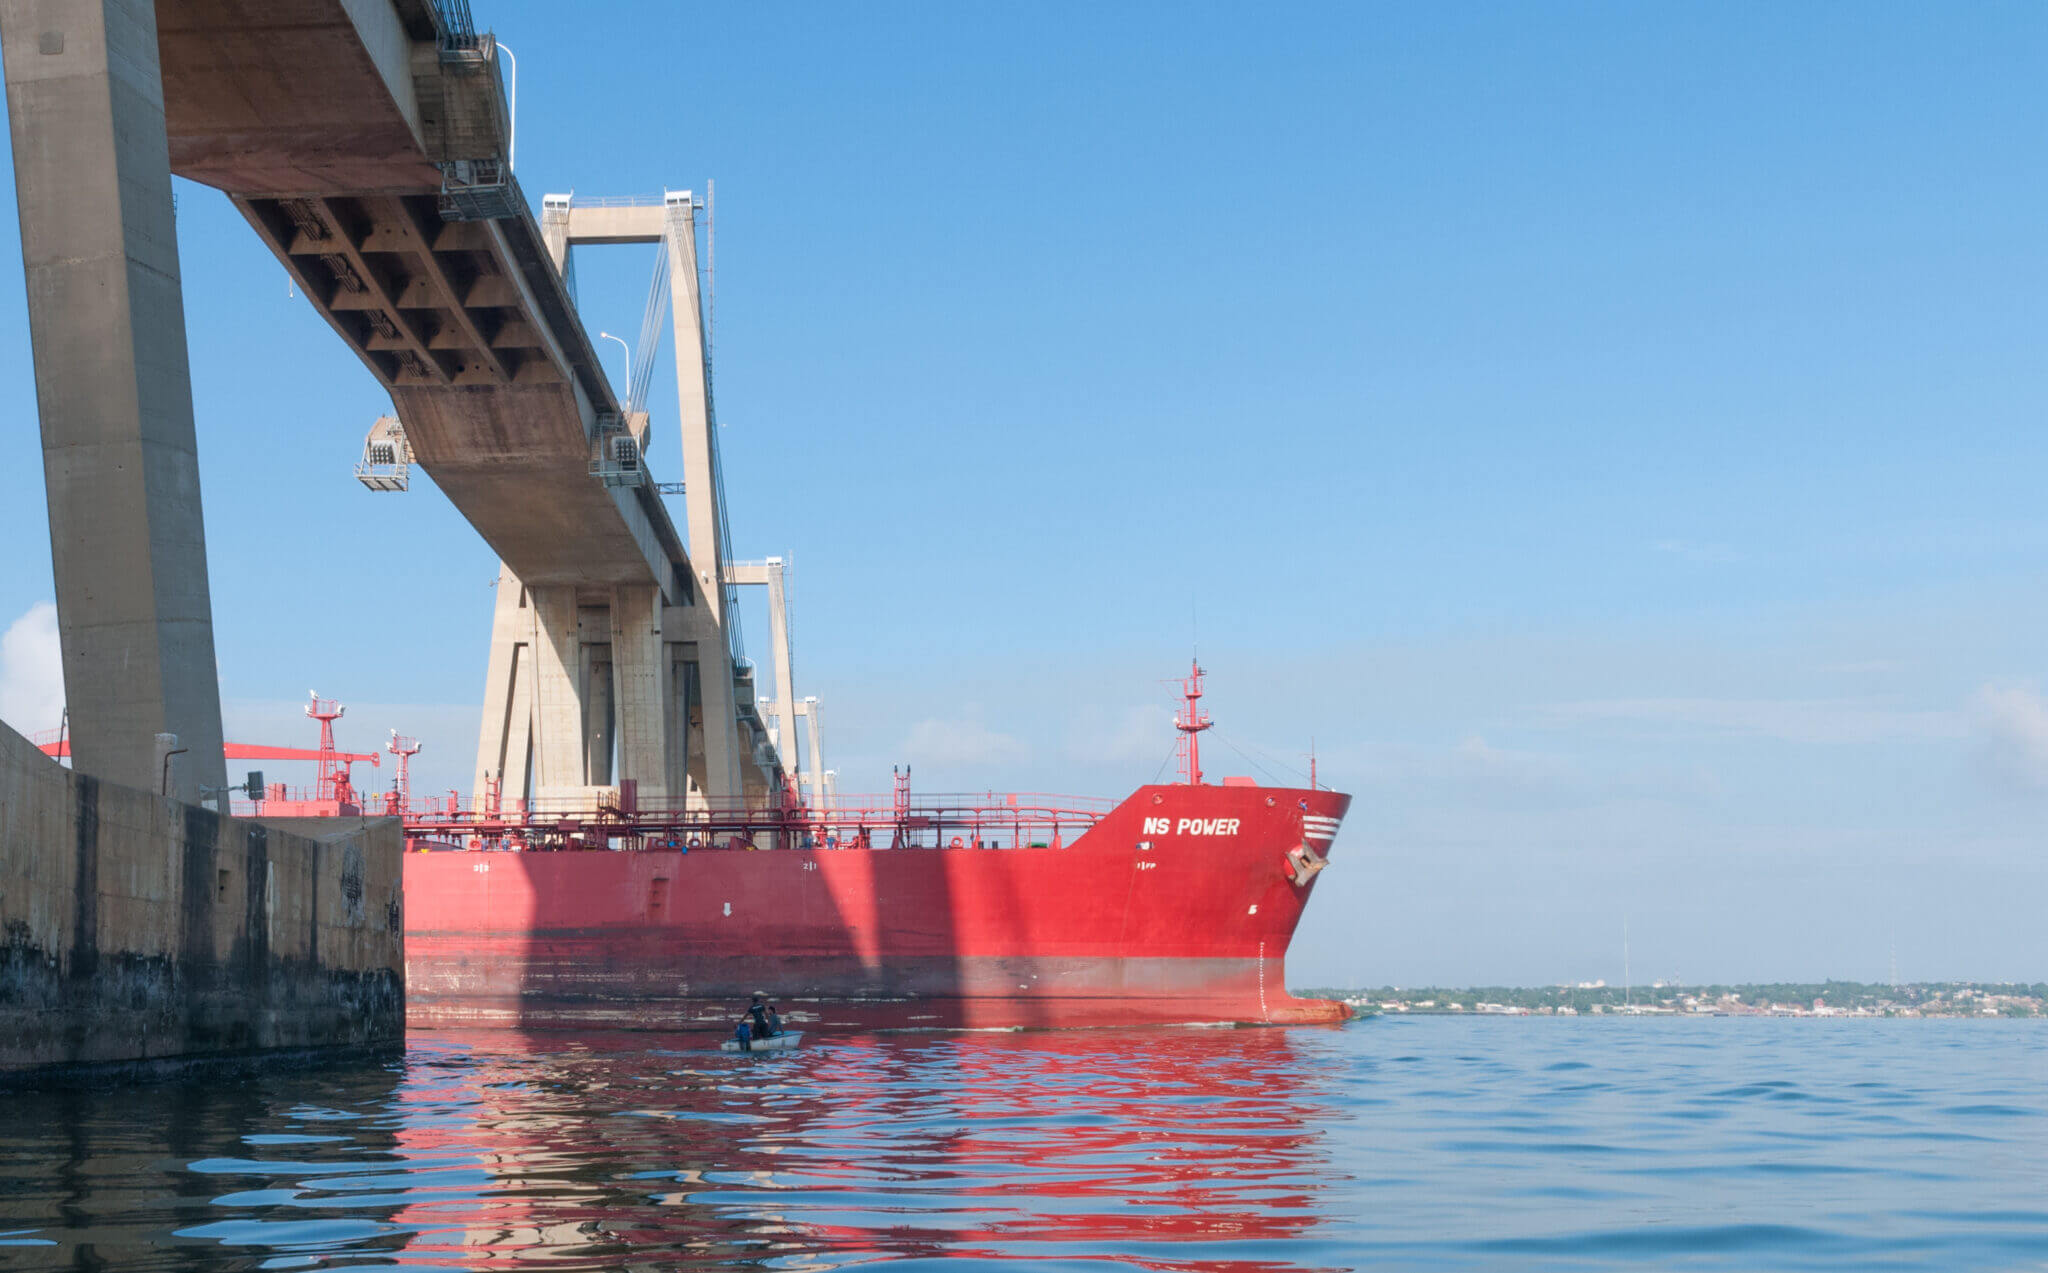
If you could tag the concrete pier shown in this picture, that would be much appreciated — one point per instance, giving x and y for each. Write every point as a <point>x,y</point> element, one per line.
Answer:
<point>136,928</point>
<point>135,924</point>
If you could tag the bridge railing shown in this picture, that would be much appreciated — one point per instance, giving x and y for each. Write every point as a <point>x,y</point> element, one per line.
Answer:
<point>617,201</point>
<point>458,27</point>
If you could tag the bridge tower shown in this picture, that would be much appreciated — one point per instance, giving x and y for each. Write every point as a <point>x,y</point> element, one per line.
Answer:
<point>592,683</point>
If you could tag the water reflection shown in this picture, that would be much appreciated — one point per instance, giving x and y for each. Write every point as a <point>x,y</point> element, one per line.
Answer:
<point>1170,1149</point>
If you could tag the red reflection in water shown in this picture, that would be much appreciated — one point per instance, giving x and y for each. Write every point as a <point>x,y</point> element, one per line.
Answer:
<point>1166,1149</point>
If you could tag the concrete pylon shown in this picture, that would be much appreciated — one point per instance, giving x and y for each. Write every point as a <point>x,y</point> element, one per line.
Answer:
<point>594,692</point>
<point>785,676</point>
<point>814,755</point>
<point>558,738</point>
<point>113,389</point>
<point>554,230</point>
<point>623,670</point>
<point>723,762</point>
<point>697,641</point>
<point>772,575</point>
<point>572,681</point>
<point>700,443</point>
<point>645,692</point>
<point>505,748</point>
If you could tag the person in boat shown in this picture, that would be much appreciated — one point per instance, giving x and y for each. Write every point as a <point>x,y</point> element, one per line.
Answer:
<point>744,1034</point>
<point>758,1010</point>
<point>774,1021</point>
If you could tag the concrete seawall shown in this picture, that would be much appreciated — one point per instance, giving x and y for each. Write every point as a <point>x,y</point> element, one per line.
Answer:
<point>136,928</point>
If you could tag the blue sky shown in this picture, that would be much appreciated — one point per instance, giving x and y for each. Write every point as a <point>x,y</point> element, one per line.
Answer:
<point>1610,431</point>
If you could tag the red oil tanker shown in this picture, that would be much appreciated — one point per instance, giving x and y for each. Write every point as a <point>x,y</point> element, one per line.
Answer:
<point>1175,905</point>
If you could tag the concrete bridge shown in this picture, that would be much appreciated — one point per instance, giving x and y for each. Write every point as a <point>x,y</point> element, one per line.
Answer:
<point>366,142</point>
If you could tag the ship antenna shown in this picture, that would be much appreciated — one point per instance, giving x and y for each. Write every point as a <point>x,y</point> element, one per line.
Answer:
<point>1191,721</point>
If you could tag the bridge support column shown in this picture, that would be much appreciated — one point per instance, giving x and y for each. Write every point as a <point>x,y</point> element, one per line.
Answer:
<point>505,744</point>
<point>626,689</point>
<point>594,692</point>
<point>722,759</point>
<point>558,742</point>
<point>113,388</point>
<point>728,754</point>
<point>785,679</point>
<point>700,441</point>
<point>814,757</point>
<point>699,642</point>
<point>646,700</point>
<point>686,744</point>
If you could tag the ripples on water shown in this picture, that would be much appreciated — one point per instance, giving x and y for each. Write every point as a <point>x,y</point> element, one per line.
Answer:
<point>1453,1144</point>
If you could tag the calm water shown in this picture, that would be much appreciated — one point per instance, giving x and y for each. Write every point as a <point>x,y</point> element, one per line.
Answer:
<point>1433,1144</point>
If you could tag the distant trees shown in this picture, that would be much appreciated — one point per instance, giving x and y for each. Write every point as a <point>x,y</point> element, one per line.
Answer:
<point>1956,998</point>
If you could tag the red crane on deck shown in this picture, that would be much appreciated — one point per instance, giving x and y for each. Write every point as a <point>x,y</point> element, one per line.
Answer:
<point>332,789</point>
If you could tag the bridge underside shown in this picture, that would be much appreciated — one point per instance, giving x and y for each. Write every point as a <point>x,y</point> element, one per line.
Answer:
<point>493,407</point>
<point>364,140</point>
<point>299,96</point>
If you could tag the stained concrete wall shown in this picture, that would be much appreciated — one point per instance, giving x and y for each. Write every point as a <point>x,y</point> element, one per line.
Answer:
<point>133,927</point>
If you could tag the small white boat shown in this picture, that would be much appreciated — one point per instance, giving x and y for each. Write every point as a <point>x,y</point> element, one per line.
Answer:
<point>784,1042</point>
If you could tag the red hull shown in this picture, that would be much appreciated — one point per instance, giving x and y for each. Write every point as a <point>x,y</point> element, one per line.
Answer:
<point>1129,923</point>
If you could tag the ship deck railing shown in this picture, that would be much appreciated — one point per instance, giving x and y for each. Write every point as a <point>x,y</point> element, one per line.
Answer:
<point>984,820</point>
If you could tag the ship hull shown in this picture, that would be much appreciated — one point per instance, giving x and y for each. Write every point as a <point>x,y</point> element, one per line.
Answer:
<point>1178,906</point>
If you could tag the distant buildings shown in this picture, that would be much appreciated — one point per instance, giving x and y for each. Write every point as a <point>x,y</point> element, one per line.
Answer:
<point>1824,999</point>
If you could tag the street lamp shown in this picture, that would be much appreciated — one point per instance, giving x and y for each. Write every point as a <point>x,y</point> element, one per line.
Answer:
<point>512,110</point>
<point>629,358</point>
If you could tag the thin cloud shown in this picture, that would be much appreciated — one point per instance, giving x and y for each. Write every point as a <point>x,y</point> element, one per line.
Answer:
<point>1475,757</point>
<point>1134,736</point>
<point>2011,726</point>
<point>32,671</point>
<point>961,742</point>
<point>1865,667</point>
<point>1475,773</point>
<point>1820,721</point>
<point>1696,552</point>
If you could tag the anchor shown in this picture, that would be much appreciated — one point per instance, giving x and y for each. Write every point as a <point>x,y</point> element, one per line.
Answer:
<point>1302,863</point>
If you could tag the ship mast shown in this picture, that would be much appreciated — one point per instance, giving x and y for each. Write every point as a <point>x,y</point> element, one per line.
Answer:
<point>333,773</point>
<point>1191,720</point>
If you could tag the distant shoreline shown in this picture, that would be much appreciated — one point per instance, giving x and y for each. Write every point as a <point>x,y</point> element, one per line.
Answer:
<point>1946,999</point>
